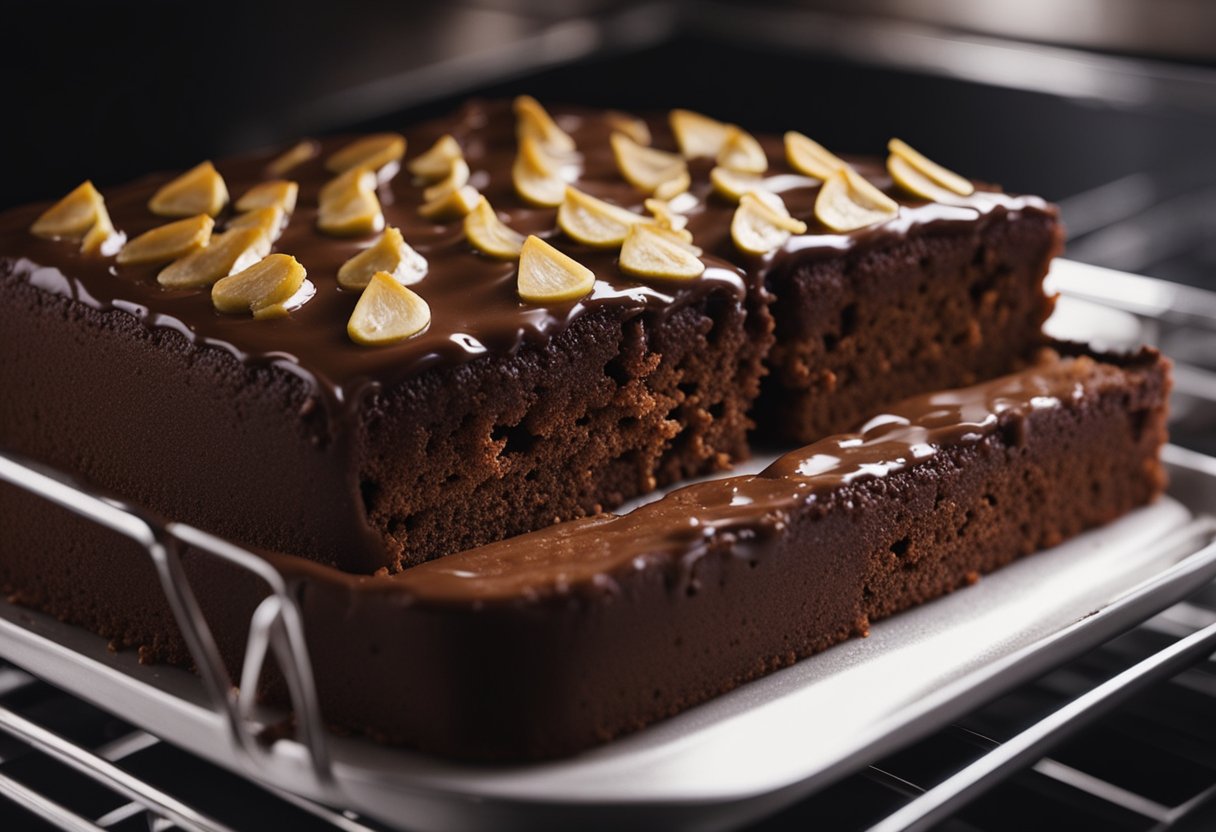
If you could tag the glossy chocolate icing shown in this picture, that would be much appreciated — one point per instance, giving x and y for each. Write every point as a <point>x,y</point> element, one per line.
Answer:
<point>473,301</point>
<point>678,529</point>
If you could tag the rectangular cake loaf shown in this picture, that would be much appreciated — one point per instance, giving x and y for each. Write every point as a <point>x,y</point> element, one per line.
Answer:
<point>505,412</point>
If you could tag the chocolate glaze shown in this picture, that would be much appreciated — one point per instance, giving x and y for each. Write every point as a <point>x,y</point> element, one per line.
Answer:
<point>472,298</point>
<point>584,555</point>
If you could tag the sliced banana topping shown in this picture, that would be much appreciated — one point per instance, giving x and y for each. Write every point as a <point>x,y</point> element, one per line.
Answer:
<point>80,216</point>
<point>594,222</point>
<point>456,178</point>
<point>271,220</point>
<point>913,172</point>
<point>373,152</point>
<point>698,135</point>
<point>648,168</point>
<point>733,184</point>
<point>532,120</point>
<point>536,175</point>
<point>546,275</point>
<point>664,215</point>
<point>742,152</point>
<point>436,162</point>
<point>673,187</point>
<point>490,235</point>
<point>452,205</point>
<point>293,157</point>
<point>200,190</point>
<point>654,252</point>
<point>847,201</point>
<point>389,254</point>
<point>386,313</point>
<point>102,238</point>
<point>349,206</point>
<point>261,288</point>
<point>762,223</point>
<point>630,125</point>
<point>806,155</point>
<point>280,192</point>
<point>227,253</point>
<point>168,242</point>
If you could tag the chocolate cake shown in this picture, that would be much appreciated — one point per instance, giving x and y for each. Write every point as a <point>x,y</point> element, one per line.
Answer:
<point>556,640</point>
<point>500,412</point>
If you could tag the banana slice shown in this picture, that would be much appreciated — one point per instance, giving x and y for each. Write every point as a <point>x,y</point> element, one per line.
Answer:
<point>536,175</point>
<point>455,179</point>
<point>200,190</point>
<point>373,152</point>
<point>762,223</point>
<point>630,125</point>
<point>490,235</point>
<point>80,216</point>
<point>349,206</point>
<point>654,252</point>
<point>733,184</point>
<point>293,157</point>
<point>806,155</point>
<point>386,313</point>
<point>168,242</point>
<point>280,192</point>
<point>594,222</point>
<point>740,151</point>
<point>437,161</point>
<point>673,187</point>
<point>914,172</point>
<point>665,216</point>
<point>546,275</point>
<point>227,253</point>
<point>647,168</point>
<point>698,135</point>
<point>452,205</point>
<point>265,284</point>
<point>533,121</point>
<point>389,254</point>
<point>270,219</point>
<point>847,202</point>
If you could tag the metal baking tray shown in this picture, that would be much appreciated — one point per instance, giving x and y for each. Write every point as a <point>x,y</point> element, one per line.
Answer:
<point>738,757</point>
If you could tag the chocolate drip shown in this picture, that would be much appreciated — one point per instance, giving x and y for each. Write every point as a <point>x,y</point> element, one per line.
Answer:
<point>745,511</point>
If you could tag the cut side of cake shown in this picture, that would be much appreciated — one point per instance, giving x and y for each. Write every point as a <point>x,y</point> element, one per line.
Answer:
<point>374,351</point>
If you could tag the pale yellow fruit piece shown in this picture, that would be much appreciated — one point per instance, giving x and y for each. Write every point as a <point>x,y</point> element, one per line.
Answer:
<point>698,135</point>
<point>808,156</point>
<point>200,190</point>
<point>293,157</point>
<point>372,152</point>
<point>762,223</point>
<point>267,283</point>
<point>280,192</point>
<point>535,175</point>
<point>740,151</point>
<point>102,238</point>
<point>646,168</point>
<point>452,205</point>
<point>663,214</point>
<point>630,125</point>
<point>847,201</point>
<point>594,222</point>
<point>71,217</point>
<point>673,187</point>
<point>168,242</point>
<point>650,251</point>
<point>733,184</point>
<point>546,275</point>
<point>455,179</point>
<point>386,313</point>
<point>532,120</point>
<point>270,219</point>
<point>390,254</point>
<point>918,168</point>
<point>348,206</point>
<point>490,235</point>
<point>436,162</point>
<point>227,253</point>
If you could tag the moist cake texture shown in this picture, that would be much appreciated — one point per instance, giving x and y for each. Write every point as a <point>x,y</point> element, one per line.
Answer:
<point>502,416</point>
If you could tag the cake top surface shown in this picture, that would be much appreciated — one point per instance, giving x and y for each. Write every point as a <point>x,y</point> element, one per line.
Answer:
<point>474,303</point>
